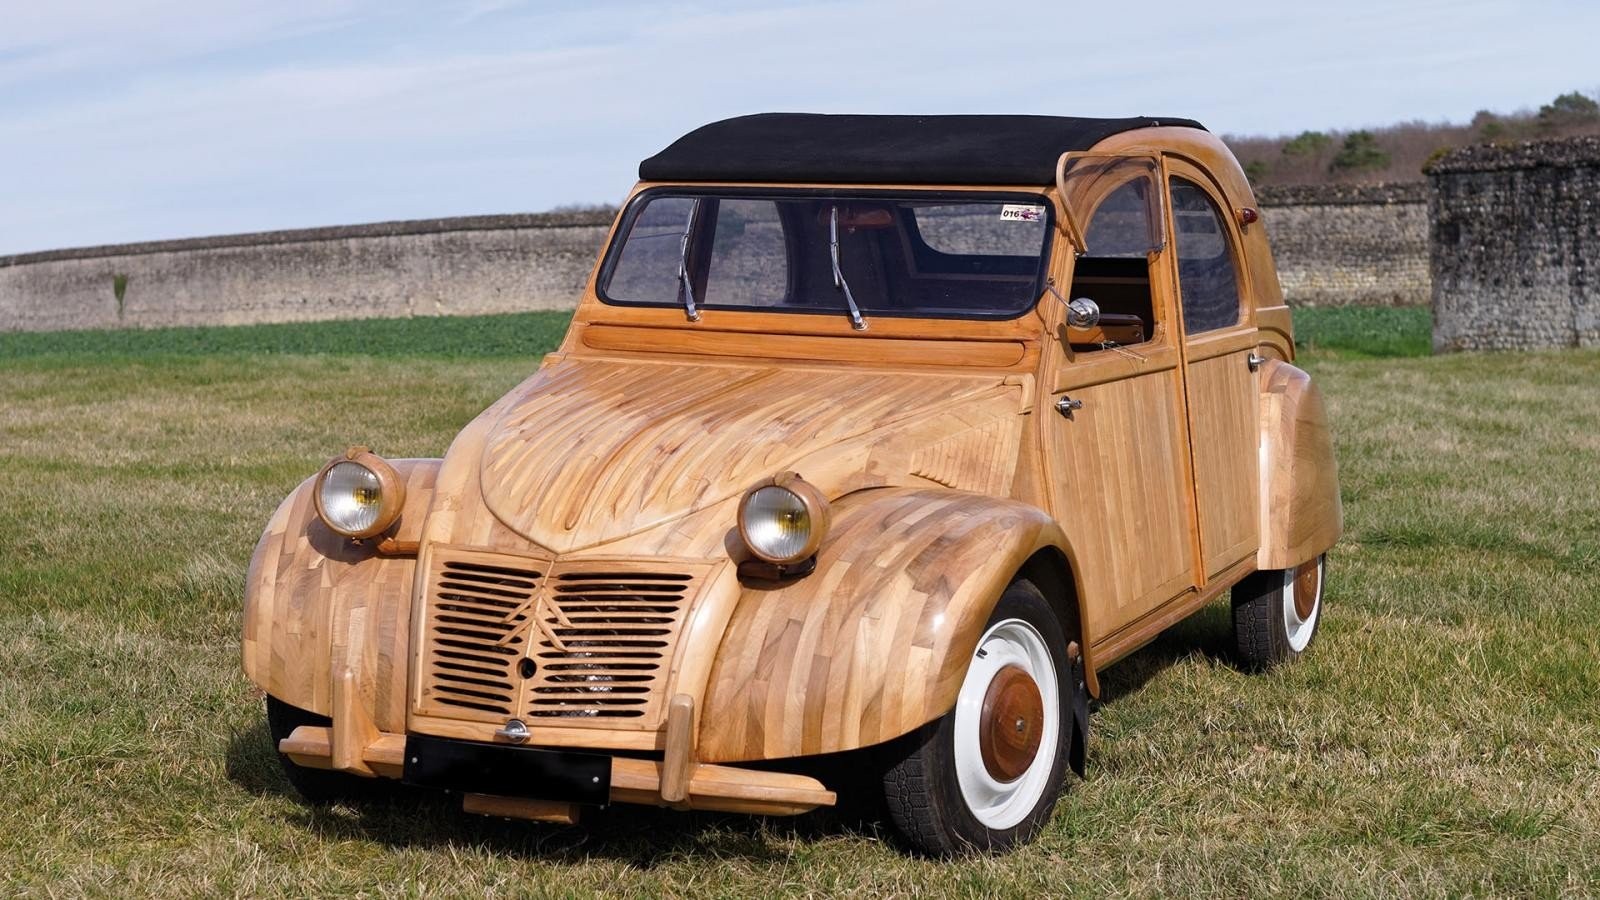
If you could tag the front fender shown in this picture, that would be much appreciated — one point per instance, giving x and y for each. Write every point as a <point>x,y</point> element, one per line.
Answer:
<point>317,605</point>
<point>875,642</point>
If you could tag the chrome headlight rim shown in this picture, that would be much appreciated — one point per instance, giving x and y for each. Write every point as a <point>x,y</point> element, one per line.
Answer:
<point>818,513</point>
<point>391,493</point>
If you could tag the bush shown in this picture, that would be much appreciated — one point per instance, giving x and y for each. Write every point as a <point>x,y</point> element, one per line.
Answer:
<point>1360,152</point>
<point>1569,110</point>
<point>1307,143</point>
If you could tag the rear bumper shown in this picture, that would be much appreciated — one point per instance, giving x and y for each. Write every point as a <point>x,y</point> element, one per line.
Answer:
<point>708,787</point>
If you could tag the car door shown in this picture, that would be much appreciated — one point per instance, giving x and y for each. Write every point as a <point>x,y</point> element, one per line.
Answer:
<point>1219,341</point>
<point>1115,435</point>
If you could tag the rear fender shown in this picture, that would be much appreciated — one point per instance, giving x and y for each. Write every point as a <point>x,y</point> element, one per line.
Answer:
<point>1301,514</point>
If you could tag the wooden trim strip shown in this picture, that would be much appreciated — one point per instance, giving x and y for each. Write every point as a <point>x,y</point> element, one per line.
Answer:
<point>1143,630</point>
<point>904,351</point>
<point>718,788</point>
<point>1083,370</point>
<point>1213,344</point>
<point>312,746</point>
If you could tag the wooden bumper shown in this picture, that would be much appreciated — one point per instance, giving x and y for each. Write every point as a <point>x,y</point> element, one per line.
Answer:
<point>720,788</point>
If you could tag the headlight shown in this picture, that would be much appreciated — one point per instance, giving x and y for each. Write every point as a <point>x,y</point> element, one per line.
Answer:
<point>359,495</point>
<point>783,520</point>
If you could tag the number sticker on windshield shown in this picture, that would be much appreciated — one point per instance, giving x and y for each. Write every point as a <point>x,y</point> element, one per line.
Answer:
<point>1018,212</point>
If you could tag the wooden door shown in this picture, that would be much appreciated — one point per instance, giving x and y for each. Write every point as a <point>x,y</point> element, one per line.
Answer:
<point>1116,438</point>
<point>1219,341</point>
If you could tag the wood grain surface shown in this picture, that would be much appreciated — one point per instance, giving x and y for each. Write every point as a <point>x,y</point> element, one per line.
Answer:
<point>595,504</point>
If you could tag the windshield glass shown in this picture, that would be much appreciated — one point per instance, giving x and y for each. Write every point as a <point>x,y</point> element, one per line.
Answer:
<point>922,254</point>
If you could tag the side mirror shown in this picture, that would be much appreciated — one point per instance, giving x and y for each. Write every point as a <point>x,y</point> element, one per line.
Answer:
<point>1083,313</point>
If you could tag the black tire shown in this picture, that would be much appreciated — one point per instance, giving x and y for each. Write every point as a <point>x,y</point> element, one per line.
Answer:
<point>1262,614</point>
<point>319,787</point>
<point>921,786</point>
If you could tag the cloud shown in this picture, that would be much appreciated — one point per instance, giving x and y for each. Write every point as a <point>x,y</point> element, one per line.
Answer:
<point>155,118</point>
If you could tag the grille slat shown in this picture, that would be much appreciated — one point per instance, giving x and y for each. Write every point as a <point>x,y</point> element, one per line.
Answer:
<point>601,634</point>
<point>477,616</point>
<point>618,632</point>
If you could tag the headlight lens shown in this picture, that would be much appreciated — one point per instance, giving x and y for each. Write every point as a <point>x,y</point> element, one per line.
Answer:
<point>783,521</point>
<point>359,495</point>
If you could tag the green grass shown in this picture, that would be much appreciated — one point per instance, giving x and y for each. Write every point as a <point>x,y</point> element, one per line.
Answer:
<point>1364,332</point>
<point>1443,737</point>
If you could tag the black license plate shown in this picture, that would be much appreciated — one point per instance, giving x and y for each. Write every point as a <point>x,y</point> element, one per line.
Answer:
<point>507,771</point>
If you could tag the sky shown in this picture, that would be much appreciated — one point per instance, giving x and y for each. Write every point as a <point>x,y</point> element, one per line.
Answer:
<point>131,120</point>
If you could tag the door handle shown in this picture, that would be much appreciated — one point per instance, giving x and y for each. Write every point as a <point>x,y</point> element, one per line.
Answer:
<point>1254,360</point>
<point>1067,406</point>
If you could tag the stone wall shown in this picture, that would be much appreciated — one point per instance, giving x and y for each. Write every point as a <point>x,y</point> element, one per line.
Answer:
<point>1349,245</point>
<point>1334,246</point>
<point>1516,246</point>
<point>462,266</point>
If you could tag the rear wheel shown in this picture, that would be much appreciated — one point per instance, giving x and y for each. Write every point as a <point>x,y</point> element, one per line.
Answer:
<point>319,787</point>
<point>1276,613</point>
<point>986,776</point>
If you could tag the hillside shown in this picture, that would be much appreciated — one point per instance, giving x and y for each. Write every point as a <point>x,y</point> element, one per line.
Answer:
<point>1398,152</point>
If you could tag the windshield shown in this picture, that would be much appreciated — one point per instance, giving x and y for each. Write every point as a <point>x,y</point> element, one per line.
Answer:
<point>921,254</point>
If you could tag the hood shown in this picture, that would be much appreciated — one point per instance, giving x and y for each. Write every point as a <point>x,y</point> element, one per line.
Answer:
<point>588,451</point>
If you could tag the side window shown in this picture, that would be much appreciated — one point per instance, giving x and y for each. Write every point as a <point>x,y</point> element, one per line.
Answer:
<point>1208,284</point>
<point>1115,272</point>
<point>749,257</point>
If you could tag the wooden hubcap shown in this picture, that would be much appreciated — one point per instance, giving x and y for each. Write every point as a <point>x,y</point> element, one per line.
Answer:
<point>1012,724</point>
<point>1307,582</point>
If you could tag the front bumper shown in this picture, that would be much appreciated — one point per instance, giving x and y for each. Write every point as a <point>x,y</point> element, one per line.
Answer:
<point>708,787</point>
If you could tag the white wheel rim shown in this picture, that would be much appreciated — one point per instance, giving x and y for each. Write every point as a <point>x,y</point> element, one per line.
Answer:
<point>1299,630</point>
<point>996,804</point>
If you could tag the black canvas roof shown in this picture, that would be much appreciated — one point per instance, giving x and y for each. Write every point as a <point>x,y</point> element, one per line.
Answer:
<point>800,147</point>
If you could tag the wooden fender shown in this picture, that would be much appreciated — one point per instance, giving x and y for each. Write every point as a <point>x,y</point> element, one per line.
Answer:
<point>324,615</point>
<point>1301,514</point>
<point>875,642</point>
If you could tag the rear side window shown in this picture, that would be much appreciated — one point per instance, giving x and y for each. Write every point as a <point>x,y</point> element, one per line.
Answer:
<point>1208,283</point>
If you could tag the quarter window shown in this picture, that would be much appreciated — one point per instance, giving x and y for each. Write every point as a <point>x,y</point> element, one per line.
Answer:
<point>1208,283</point>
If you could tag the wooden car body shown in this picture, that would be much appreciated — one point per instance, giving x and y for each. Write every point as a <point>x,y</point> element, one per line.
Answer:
<point>1131,470</point>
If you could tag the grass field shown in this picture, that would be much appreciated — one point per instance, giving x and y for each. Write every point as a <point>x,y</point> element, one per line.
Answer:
<point>1442,738</point>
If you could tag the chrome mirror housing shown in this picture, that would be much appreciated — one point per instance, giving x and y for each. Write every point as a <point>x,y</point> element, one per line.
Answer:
<point>1083,313</point>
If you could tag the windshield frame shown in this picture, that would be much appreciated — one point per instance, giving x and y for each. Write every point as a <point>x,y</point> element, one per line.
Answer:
<point>1035,197</point>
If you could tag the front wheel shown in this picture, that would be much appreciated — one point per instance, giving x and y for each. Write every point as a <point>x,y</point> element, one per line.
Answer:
<point>986,776</point>
<point>1276,613</point>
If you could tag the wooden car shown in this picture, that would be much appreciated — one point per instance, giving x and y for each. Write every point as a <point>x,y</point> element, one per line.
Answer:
<point>873,438</point>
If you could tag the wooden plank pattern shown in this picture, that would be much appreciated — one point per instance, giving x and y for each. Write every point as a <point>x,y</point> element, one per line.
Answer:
<point>876,642</point>
<point>621,462</point>
<point>1224,440</point>
<point>598,636</point>
<point>1301,512</point>
<point>646,455</point>
<point>317,604</point>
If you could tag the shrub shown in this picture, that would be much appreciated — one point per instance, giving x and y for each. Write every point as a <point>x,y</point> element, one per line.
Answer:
<point>1360,152</point>
<point>1307,143</point>
<point>1568,110</point>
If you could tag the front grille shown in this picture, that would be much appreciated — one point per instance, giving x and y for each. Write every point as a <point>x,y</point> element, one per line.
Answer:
<point>580,642</point>
<point>477,625</point>
<point>616,631</point>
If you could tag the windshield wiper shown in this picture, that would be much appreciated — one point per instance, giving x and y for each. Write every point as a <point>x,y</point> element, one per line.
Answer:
<point>839,283</point>
<point>685,287</point>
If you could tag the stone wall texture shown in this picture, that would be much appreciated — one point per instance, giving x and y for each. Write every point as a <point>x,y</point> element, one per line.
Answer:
<point>1349,245</point>
<point>462,266</point>
<point>1334,246</point>
<point>1516,246</point>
